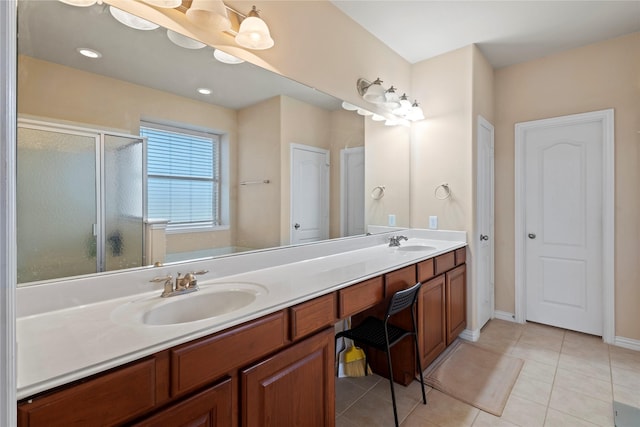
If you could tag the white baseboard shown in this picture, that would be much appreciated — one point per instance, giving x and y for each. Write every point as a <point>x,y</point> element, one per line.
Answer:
<point>503,315</point>
<point>627,343</point>
<point>470,335</point>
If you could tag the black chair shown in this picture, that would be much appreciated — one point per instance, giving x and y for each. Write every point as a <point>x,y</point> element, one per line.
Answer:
<point>382,335</point>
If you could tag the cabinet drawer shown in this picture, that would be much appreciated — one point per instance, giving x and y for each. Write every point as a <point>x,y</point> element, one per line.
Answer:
<point>445,262</point>
<point>461,256</point>
<point>425,270</point>
<point>398,280</point>
<point>312,315</point>
<point>359,297</point>
<point>105,400</point>
<point>201,362</point>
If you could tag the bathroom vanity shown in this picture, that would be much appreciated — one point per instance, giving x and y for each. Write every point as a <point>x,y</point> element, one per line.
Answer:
<point>270,363</point>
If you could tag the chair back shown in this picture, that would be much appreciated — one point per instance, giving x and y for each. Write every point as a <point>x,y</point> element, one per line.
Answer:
<point>403,299</point>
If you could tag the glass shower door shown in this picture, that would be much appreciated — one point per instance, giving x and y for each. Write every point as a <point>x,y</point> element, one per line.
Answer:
<point>56,203</point>
<point>123,201</point>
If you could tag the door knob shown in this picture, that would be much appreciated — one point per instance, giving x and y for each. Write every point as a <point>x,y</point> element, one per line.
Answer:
<point>296,226</point>
<point>532,236</point>
<point>484,237</point>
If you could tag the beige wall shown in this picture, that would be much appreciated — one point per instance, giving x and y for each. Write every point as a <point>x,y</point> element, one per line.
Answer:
<point>595,77</point>
<point>55,92</point>
<point>258,159</point>
<point>454,88</point>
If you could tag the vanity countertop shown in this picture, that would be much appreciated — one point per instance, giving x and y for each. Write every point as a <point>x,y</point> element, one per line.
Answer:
<point>81,337</point>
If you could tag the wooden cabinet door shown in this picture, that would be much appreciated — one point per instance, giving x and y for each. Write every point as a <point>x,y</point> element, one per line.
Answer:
<point>431,320</point>
<point>295,387</point>
<point>456,297</point>
<point>209,408</point>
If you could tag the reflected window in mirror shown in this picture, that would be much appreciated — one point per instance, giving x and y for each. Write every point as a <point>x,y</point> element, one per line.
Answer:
<point>183,176</point>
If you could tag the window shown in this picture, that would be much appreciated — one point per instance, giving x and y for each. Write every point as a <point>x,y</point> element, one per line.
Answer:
<point>183,176</point>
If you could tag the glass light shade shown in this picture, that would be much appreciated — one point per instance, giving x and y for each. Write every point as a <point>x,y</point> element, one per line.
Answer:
<point>254,34</point>
<point>184,41</point>
<point>131,21</point>
<point>391,122</point>
<point>211,14</point>
<point>375,93</point>
<point>416,113</point>
<point>405,107</point>
<point>226,58</point>
<point>363,112</point>
<point>80,3</point>
<point>167,4</point>
<point>392,100</point>
<point>377,118</point>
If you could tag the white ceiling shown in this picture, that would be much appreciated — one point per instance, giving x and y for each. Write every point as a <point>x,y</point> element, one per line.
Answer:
<point>507,32</point>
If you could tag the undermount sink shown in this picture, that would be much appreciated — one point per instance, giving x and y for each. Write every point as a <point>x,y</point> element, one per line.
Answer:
<point>209,302</point>
<point>416,248</point>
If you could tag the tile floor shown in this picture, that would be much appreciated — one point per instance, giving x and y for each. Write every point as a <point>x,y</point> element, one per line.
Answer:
<point>568,379</point>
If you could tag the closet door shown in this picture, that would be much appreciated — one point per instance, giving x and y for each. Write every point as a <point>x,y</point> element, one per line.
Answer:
<point>56,203</point>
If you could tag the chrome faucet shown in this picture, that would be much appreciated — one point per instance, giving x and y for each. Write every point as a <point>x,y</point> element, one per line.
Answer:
<point>183,284</point>
<point>394,241</point>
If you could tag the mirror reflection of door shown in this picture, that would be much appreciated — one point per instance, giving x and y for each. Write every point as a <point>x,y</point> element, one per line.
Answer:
<point>79,201</point>
<point>309,194</point>
<point>352,191</point>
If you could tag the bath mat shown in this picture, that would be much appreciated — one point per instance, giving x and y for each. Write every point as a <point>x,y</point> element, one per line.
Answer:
<point>474,375</point>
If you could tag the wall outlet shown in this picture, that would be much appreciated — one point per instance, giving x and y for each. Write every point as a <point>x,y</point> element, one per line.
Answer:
<point>392,220</point>
<point>433,222</point>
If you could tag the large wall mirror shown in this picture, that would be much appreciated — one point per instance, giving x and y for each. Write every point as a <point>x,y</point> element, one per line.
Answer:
<point>89,166</point>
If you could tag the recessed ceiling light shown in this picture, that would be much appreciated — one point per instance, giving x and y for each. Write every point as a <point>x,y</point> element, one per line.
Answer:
<point>204,91</point>
<point>226,58</point>
<point>89,53</point>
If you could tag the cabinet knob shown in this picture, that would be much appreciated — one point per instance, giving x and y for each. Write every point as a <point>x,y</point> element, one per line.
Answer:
<point>484,237</point>
<point>532,236</point>
<point>296,226</point>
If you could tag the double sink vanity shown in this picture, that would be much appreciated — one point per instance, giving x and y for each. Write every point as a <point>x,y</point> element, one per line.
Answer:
<point>253,346</point>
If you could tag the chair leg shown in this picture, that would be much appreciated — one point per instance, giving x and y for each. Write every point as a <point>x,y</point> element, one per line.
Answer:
<point>393,393</point>
<point>419,360</point>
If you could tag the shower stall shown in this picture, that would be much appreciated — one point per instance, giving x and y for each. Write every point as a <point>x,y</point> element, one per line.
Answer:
<point>80,201</point>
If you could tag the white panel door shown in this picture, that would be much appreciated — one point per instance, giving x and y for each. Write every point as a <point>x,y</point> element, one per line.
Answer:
<point>309,194</point>
<point>352,191</point>
<point>563,225</point>
<point>485,208</point>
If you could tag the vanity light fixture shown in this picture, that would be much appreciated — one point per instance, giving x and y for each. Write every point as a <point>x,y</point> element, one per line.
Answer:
<point>395,109</point>
<point>165,4</point>
<point>184,41</point>
<point>210,14</point>
<point>226,58</point>
<point>254,32</point>
<point>131,21</point>
<point>89,53</point>
<point>204,91</point>
<point>348,106</point>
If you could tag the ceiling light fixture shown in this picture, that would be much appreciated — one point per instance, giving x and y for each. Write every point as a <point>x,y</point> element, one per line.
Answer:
<point>348,106</point>
<point>395,109</point>
<point>131,21</point>
<point>254,32</point>
<point>184,41</point>
<point>89,53</point>
<point>204,91</point>
<point>166,4</point>
<point>226,58</point>
<point>209,14</point>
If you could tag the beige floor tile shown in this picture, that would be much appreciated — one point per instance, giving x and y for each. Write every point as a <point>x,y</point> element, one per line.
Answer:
<point>582,406</point>
<point>539,328</point>
<point>532,389</point>
<point>367,382</point>
<point>496,343</point>
<point>343,422</point>
<point>585,366</point>
<point>535,353</point>
<point>577,344</point>
<point>410,393</point>
<point>539,371</point>
<point>347,392</point>
<point>443,411</point>
<point>629,378</point>
<point>414,420</point>
<point>508,330</point>
<point>580,383</point>
<point>524,412</point>
<point>624,358</point>
<point>560,419</point>
<point>374,410</point>
<point>488,420</point>
<point>534,338</point>
<point>628,396</point>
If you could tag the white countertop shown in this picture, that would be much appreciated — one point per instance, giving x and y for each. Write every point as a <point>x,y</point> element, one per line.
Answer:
<point>65,332</point>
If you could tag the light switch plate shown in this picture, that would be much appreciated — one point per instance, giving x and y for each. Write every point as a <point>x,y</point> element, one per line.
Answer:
<point>433,222</point>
